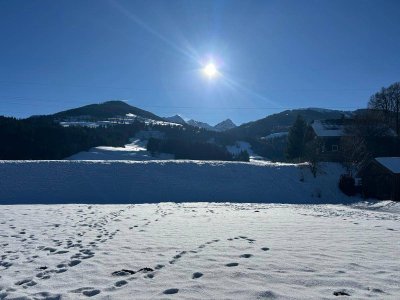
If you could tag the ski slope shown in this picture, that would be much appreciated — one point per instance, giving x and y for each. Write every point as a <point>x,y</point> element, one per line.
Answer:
<point>168,180</point>
<point>199,251</point>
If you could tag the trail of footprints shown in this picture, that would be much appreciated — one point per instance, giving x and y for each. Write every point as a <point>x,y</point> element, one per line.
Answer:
<point>147,272</point>
<point>72,244</point>
<point>88,225</point>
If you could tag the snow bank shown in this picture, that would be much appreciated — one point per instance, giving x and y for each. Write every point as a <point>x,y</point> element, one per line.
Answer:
<point>382,206</point>
<point>160,181</point>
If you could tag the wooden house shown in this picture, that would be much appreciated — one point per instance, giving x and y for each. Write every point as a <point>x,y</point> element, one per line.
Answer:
<point>328,133</point>
<point>381,178</point>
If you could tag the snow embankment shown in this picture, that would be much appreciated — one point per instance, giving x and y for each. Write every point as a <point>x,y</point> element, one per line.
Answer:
<point>160,181</point>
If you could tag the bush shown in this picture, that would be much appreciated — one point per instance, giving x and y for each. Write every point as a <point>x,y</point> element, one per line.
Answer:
<point>347,185</point>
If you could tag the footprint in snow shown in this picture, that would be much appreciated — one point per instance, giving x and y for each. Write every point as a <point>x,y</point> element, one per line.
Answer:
<point>73,263</point>
<point>234,264</point>
<point>26,282</point>
<point>197,275</point>
<point>341,293</point>
<point>91,293</point>
<point>246,255</point>
<point>171,291</point>
<point>121,283</point>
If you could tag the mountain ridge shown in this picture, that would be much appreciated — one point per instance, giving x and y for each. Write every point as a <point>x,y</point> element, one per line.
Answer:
<point>282,121</point>
<point>106,109</point>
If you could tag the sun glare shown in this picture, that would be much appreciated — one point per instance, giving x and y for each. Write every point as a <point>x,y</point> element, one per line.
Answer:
<point>210,70</point>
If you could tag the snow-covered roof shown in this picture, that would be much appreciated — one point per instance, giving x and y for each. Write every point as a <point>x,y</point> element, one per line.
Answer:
<point>324,128</point>
<point>390,163</point>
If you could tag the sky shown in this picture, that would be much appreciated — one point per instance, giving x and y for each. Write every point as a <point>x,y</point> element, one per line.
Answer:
<point>271,55</point>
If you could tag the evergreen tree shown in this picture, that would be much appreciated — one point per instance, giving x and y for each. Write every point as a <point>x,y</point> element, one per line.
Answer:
<point>296,139</point>
<point>242,156</point>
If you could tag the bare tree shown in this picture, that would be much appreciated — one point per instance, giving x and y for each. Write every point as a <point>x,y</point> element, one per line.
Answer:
<point>355,153</point>
<point>312,155</point>
<point>387,101</point>
<point>369,123</point>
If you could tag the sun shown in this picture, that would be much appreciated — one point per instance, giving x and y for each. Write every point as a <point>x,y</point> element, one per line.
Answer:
<point>210,70</point>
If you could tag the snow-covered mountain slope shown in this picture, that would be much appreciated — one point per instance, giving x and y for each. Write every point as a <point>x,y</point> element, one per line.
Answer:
<point>156,181</point>
<point>275,135</point>
<point>175,119</point>
<point>198,251</point>
<point>201,125</point>
<point>225,125</point>
<point>135,150</point>
<point>240,146</point>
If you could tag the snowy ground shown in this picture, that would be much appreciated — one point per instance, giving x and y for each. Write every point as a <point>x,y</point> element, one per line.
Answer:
<point>169,180</point>
<point>199,251</point>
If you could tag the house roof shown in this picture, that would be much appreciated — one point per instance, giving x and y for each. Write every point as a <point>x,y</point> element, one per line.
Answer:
<point>327,128</point>
<point>390,163</point>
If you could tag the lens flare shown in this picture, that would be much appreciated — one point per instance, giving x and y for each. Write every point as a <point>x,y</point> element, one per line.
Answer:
<point>210,70</point>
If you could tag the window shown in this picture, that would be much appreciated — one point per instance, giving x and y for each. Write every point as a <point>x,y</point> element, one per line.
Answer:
<point>335,148</point>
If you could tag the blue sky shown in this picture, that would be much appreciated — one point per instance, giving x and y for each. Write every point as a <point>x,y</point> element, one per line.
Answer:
<point>272,55</point>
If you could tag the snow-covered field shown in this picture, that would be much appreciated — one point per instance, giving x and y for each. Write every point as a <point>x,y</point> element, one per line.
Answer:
<point>169,180</point>
<point>199,251</point>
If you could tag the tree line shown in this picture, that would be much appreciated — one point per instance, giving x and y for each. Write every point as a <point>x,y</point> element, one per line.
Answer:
<point>41,138</point>
<point>189,149</point>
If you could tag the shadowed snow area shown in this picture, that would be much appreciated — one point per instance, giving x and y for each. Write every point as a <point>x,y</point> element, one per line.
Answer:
<point>199,251</point>
<point>160,181</point>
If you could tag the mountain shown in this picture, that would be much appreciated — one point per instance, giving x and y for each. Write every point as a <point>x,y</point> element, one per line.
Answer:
<point>175,119</point>
<point>201,125</point>
<point>282,121</point>
<point>225,125</point>
<point>107,109</point>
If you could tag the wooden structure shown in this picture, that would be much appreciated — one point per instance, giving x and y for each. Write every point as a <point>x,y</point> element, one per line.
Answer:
<point>381,178</point>
<point>328,134</point>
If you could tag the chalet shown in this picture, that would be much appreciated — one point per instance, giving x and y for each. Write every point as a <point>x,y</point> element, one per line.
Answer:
<point>329,134</point>
<point>381,178</point>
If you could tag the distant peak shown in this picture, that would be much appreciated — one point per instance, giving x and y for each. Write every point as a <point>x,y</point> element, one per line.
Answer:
<point>225,125</point>
<point>200,124</point>
<point>175,119</point>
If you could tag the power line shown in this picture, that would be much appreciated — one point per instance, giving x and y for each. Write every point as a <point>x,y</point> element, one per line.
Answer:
<point>202,107</point>
<point>168,89</point>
